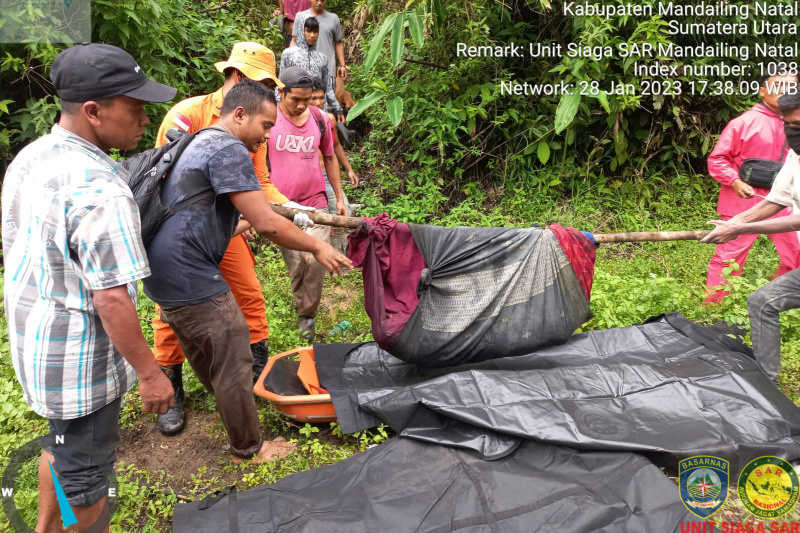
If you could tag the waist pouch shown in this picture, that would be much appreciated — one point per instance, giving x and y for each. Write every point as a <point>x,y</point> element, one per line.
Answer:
<point>759,173</point>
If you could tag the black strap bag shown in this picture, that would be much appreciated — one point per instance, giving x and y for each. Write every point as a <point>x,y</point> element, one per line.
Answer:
<point>761,173</point>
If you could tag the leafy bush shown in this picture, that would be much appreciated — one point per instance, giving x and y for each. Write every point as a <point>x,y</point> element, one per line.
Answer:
<point>454,153</point>
<point>455,128</point>
<point>174,41</point>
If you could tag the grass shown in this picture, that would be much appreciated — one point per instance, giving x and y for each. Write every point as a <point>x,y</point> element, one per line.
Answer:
<point>632,283</point>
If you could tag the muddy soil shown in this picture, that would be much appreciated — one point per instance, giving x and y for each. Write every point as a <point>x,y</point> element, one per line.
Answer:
<point>200,444</point>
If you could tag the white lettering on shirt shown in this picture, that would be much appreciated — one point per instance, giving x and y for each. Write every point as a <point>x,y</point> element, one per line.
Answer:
<point>294,143</point>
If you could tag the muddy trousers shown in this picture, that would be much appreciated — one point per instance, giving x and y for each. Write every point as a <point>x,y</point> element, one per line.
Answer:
<point>216,340</point>
<point>786,244</point>
<point>764,307</point>
<point>306,273</point>
<point>237,270</point>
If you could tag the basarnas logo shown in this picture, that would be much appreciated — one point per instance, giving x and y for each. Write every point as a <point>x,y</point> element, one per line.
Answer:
<point>703,483</point>
<point>33,450</point>
<point>768,487</point>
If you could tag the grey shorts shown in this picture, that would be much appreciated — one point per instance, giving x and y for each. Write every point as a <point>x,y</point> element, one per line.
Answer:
<point>86,455</point>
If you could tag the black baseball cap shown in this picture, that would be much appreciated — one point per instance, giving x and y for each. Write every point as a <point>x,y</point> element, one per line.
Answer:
<point>93,71</point>
<point>296,77</point>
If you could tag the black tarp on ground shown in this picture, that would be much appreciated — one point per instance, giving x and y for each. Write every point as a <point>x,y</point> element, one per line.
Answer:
<point>667,387</point>
<point>571,431</point>
<point>408,486</point>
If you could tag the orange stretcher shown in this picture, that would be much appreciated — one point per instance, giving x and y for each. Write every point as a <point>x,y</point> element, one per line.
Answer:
<point>314,407</point>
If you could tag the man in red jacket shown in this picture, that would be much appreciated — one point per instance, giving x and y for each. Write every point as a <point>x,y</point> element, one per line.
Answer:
<point>758,132</point>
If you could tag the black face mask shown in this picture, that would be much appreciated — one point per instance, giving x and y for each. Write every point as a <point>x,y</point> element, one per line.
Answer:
<point>792,137</point>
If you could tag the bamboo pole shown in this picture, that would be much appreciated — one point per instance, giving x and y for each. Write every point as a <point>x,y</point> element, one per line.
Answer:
<point>652,236</point>
<point>635,236</point>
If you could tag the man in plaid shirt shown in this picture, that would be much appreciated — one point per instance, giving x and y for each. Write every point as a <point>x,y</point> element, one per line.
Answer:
<point>73,252</point>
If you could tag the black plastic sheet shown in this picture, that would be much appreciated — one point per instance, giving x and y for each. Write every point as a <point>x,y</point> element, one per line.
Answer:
<point>569,438</point>
<point>473,294</point>
<point>282,378</point>
<point>405,486</point>
<point>668,388</point>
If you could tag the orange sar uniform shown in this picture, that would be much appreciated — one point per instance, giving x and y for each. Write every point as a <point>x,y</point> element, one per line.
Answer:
<point>192,115</point>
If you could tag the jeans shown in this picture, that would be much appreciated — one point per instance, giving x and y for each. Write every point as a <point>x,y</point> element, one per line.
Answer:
<point>332,197</point>
<point>764,307</point>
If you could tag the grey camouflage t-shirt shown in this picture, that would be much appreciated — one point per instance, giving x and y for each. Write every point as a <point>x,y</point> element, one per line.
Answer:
<point>330,32</point>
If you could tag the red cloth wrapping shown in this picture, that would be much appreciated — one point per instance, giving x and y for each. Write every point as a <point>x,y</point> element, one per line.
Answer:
<point>392,261</point>
<point>581,253</point>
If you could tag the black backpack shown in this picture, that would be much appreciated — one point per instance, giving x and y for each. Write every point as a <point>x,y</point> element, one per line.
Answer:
<point>147,171</point>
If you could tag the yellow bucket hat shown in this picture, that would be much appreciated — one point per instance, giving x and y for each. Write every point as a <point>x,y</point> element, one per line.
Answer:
<point>254,60</point>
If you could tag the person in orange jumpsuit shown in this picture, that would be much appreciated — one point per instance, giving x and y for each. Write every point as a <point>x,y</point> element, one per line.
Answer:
<point>256,62</point>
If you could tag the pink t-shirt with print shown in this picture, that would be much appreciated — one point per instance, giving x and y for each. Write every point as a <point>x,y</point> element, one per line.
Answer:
<point>294,161</point>
<point>293,7</point>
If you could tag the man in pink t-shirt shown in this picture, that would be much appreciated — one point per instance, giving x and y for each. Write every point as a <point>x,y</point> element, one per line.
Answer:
<point>299,131</point>
<point>289,9</point>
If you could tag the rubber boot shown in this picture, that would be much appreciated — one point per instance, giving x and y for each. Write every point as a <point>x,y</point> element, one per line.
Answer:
<point>305,324</point>
<point>172,422</point>
<point>260,351</point>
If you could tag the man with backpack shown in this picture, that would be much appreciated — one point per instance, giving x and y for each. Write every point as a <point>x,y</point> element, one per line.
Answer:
<point>247,61</point>
<point>185,254</point>
<point>300,130</point>
<point>755,134</point>
<point>73,253</point>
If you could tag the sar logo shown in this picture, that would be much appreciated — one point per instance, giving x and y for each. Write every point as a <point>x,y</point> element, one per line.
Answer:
<point>768,487</point>
<point>599,424</point>
<point>703,482</point>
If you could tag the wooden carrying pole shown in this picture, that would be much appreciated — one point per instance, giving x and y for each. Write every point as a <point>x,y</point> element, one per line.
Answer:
<point>320,218</point>
<point>652,236</point>
<point>636,236</point>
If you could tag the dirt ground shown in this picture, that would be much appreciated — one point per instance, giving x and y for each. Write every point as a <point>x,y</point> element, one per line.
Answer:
<point>200,444</point>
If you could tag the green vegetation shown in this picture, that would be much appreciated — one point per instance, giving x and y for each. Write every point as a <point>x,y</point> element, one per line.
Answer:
<point>439,145</point>
<point>632,283</point>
